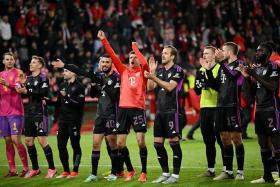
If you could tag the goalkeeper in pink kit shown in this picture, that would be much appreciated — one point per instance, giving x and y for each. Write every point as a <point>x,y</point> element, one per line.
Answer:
<point>11,115</point>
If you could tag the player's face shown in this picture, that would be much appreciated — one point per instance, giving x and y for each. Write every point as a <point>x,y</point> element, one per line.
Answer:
<point>9,61</point>
<point>67,75</point>
<point>133,60</point>
<point>105,64</point>
<point>261,55</point>
<point>35,65</point>
<point>225,52</point>
<point>166,56</point>
<point>209,55</point>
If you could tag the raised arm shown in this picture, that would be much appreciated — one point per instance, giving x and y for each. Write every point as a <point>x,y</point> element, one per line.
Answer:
<point>117,62</point>
<point>140,57</point>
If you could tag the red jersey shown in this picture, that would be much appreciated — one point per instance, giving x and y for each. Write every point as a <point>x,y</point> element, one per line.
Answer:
<point>133,82</point>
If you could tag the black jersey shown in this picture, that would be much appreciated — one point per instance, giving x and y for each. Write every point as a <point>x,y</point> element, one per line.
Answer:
<point>107,89</point>
<point>72,104</point>
<point>228,84</point>
<point>266,99</point>
<point>37,92</point>
<point>169,101</point>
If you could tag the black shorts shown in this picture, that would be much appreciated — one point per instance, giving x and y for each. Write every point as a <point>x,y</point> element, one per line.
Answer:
<point>131,116</point>
<point>105,126</point>
<point>167,125</point>
<point>69,129</point>
<point>36,126</point>
<point>228,119</point>
<point>266,123</point>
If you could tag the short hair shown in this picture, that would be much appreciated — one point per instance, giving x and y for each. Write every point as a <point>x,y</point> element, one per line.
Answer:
<point>272,45</point>
<point>105,55</point>
<point>210,47</point>
<point>174,51</point>
<point>40,59</point>
<point>9,54</point>
<point>267,47</point>
<point>233,47</point>
<point>131,53</point>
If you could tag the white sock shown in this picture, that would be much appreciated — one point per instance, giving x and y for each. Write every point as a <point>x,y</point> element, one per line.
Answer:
<point>212,170</point>
<point>166,174</point>
<point>175,176</point>
<point>240,172</point>
<point>229,172</point>
<point>224,168</point>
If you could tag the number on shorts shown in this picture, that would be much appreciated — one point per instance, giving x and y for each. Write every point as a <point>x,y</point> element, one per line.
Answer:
<point>171,124</point>
<point>138,120</point>
<point>14,126</point>
<point>270,122</point>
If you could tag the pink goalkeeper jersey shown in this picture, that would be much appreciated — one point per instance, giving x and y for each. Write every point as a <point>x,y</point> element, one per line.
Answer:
<point>10,100</point>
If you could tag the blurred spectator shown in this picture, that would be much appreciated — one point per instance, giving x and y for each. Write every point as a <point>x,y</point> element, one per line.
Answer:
<point>5,28</point>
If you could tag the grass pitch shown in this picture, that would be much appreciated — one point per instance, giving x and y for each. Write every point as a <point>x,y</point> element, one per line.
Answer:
<point>193,164</point>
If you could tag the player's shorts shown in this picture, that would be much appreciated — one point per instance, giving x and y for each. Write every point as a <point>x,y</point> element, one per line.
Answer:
<point>35,126</point>
<point>68,130</point>
<point>11,125</point>
<point>105,126</point>
<point>266,123</point>
<point>228,119</point>
<point>167,125</point>
<point>131,116</point>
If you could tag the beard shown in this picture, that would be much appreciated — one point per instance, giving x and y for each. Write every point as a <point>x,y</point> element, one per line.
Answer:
<point>107,71</point>
<point>260,59</point>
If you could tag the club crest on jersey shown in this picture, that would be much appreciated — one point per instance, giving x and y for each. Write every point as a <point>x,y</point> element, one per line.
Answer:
<point>169,75</point>
<point>274,74</point>
<point>132,81</point>
<point>45,85</point>
<point>137,74</point>
<point>35,83</point>
<point>176,75</point>
<point>110,82</point>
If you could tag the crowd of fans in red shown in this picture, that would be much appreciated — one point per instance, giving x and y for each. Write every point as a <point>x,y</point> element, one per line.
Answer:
<point>67,29</point>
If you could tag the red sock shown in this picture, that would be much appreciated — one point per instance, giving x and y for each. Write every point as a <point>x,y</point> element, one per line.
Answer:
<point>23,156</point>
<point>10,153</point>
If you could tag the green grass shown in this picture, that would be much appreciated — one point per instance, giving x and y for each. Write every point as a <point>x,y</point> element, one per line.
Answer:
<point>193,163</point>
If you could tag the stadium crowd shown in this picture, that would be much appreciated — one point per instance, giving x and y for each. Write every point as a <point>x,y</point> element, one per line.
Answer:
<point>67,29</point>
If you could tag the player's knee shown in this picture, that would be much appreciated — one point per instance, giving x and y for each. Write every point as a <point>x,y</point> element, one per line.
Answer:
<point>113,144</point>
<point>96,146</point>
<point>141,144</point>
<point>237,141</point>
<point>120,145</point>
<point>43,143</point>
<point>29,142</point>
<point>8,141</point>
<point>16,142</point>
<point>226,140</point>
